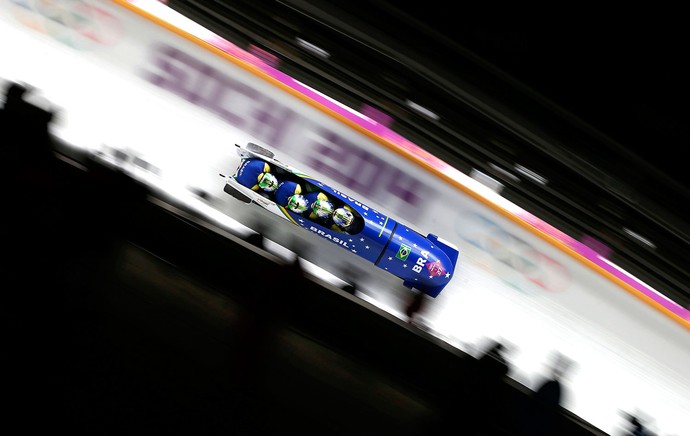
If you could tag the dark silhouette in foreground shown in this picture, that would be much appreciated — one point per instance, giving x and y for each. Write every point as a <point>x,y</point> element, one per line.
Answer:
<point>637,427</point>
<point>486,384</point>
<point>472,395</point>
<point>543,413</point>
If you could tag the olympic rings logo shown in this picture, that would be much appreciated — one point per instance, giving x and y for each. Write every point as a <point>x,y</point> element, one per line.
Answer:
<point>508,253</point>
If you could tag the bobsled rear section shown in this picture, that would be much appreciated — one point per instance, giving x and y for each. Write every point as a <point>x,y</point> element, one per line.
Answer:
<point>426,263</point>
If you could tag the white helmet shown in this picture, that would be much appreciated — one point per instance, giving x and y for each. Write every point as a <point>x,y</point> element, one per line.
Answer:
<point>343,217</point>
<point>322,208</point>
<point>268,182</point>
<point>297,203</point>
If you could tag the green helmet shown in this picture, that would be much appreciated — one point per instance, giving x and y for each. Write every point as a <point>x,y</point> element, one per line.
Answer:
<point>268,182</point>
<point>322,208</point>
<point>297,203</point>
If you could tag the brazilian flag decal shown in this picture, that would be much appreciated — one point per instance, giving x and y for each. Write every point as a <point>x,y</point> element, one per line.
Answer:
<point>403,252</point>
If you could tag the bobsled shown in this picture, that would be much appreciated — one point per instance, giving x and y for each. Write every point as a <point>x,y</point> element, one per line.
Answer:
<point>426,263</point>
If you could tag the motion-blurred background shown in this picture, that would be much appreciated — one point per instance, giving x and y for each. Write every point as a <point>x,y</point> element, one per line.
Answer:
<point>579,112</point>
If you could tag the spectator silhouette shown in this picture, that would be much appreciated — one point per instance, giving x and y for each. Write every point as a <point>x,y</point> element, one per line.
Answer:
<point>637,428</point>
<point>474,392</point>
<point>487,384</point>
<point>544,407</point>
<point>26,231</point>
<point>28,153</point>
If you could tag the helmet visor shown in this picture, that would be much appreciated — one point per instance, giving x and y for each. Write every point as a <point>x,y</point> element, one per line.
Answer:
<point>268,182</point>
<point>322,208</point>
<point>343,217</point>
<point>297,203</point>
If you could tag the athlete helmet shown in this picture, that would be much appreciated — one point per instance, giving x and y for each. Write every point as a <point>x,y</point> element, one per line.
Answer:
<point>343,217</point>
<point>322,208</point>
<point>268,182</point>
<point>297,203</point>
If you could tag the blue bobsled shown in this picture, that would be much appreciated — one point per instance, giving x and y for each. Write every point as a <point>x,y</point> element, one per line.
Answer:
<point>426,263</point>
